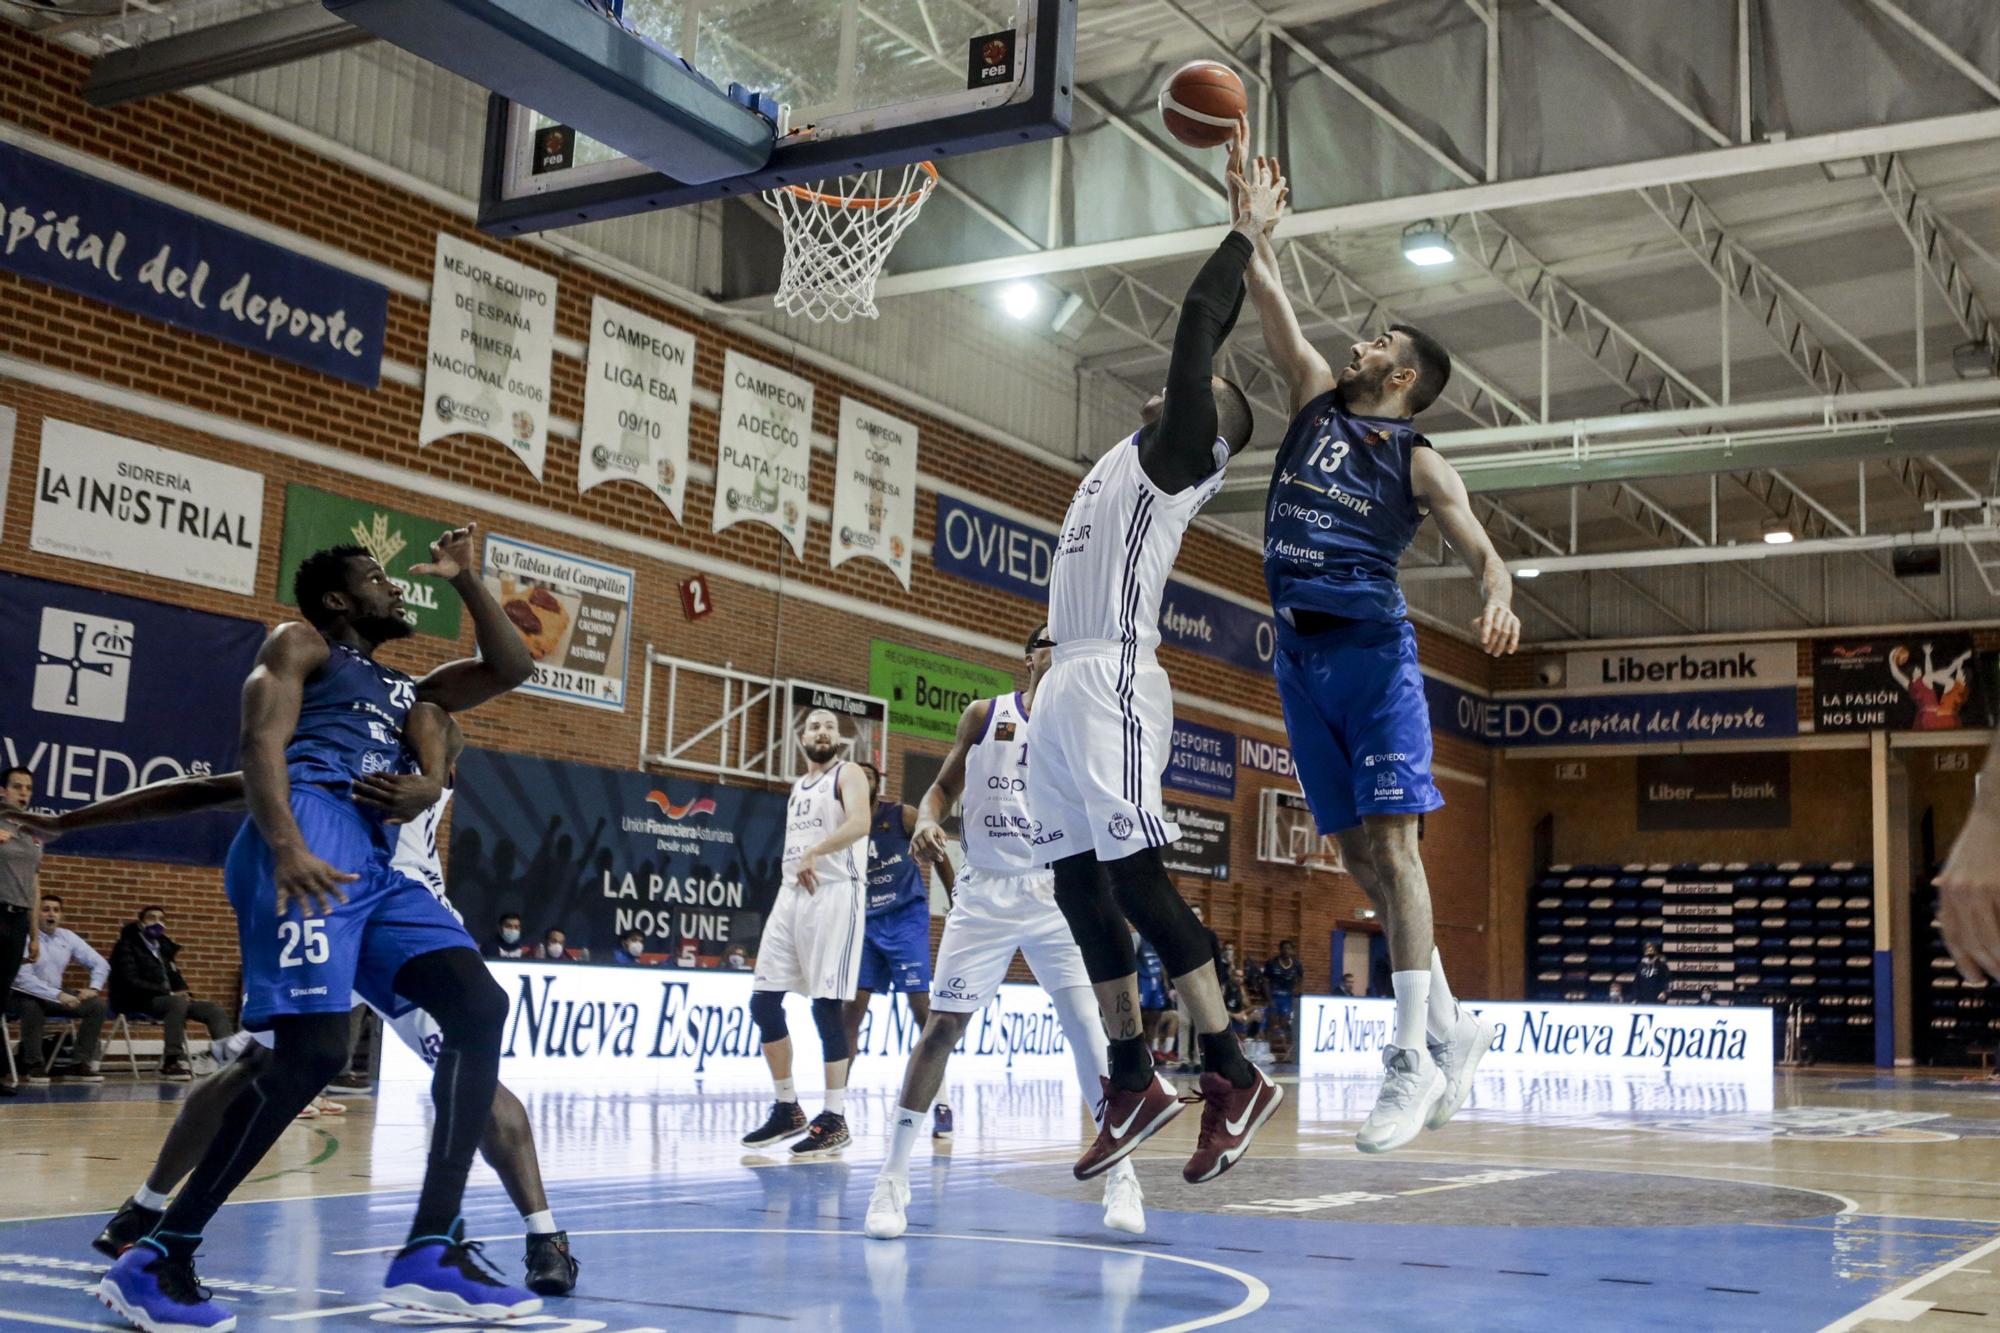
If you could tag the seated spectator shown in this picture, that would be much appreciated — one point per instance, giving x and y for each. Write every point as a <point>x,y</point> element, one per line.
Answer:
<point>1617,995</point>
<point>555,948</point>
<point>631,951</point>
<point>146,982</point>
<point>1346,983</point>
<point>1284,974</point>
<point>1232,1000</point>
<point>39,996</point>
<point>506,941</point>
<point>737,959</point>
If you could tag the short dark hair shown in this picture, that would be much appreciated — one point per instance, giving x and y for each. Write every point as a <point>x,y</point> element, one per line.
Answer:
<point>505,917</point>
<point>1431,362</point>
<point>1234,421</point>
<point>1283,943</point>
<point>555,930</point>
<point>151,907</point>
<point>8,776</point>
<point>321,573</point>
<point>1041,632</point>
<point>52,897</point>
<point>874,776</point>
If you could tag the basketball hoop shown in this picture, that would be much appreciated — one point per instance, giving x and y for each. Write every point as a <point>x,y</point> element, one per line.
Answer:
<point>838,235</point>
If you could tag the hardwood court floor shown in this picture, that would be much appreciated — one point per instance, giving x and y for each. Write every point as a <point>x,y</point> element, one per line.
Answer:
<point>1854,1201</point>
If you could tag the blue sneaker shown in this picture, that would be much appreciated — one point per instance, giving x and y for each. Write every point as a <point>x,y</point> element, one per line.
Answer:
<point>941,1123</point>
<point>153,1287</point>
<point>446,1275</point>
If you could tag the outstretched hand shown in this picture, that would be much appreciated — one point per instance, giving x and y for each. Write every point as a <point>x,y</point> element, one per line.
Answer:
<point>1258,190</point>
<point>451,554</point>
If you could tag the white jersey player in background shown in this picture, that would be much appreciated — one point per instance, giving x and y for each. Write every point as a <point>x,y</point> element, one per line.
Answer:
<point>1005,901</point>
<point>812,938</point>
<point>1105,720</point>
<point>433,737</point>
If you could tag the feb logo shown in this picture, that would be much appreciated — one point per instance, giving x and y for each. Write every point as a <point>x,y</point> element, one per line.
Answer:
<point>524,425</point>
<point>83,665</point>
<point>1121,827</point>
<point>791,513</point>
<point>702,805</point>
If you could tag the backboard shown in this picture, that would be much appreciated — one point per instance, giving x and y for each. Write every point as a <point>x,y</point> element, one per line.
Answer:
<point>861,83</point>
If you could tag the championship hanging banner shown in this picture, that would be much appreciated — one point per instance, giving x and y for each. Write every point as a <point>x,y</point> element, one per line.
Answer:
<point>113,501</point>
<point>763,448</point>
<point>1912,682</point>
<point>600,851</point>
<point>316,519</point>
<point>874,489</point>
<point>635,410</point>
<point>575,614</point>
<point>101,693</point>
<point>493,325</point>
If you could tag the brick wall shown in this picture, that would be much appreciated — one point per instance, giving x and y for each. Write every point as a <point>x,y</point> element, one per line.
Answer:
<point>175,142</point>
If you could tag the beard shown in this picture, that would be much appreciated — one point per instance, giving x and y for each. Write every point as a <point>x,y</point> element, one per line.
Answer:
<point>382,628</point>
<point>1360,384</point>
<point>821,753</point>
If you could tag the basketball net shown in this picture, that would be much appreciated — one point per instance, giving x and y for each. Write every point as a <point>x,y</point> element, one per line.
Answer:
<point>838,234</point>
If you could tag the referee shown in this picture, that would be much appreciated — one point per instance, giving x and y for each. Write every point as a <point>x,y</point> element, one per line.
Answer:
<point>20,900</point>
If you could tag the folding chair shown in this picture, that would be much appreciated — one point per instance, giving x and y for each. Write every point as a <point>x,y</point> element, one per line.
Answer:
<point>122,1030</point>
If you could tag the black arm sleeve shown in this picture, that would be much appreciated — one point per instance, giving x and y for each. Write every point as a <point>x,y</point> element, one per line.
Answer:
<point>1179,451</point>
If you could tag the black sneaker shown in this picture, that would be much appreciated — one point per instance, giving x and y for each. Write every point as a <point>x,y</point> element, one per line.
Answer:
<point>176,1071</point>
<point>551,1270</point>
<point>826,1136</point>
<point>132,1223</point>
<point>787,1120</point>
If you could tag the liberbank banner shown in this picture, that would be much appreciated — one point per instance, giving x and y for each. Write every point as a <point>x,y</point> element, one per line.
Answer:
<point>1702,1042</point>
<point>682,1026</point>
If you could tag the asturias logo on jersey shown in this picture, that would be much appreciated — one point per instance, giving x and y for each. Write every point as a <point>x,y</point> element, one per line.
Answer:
<point>703,805</point>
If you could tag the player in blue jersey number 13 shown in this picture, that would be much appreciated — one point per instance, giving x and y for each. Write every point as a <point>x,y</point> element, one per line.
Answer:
<point>1352,483</point>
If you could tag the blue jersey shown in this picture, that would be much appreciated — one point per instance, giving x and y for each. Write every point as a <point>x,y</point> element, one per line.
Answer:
<point>1151,970</point>
<point>350,720</point>
<point>894,879</point>
<point>1340,513</point>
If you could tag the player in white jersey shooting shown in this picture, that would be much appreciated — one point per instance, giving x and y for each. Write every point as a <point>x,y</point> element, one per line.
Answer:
<point>417,803</point>
<point>1105,720</point>
<point>1005,901</point>
<point>813,935</point>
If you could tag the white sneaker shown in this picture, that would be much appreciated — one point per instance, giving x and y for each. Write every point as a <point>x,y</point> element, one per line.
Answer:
<point>888,1208</point>
<point>1457,1058</point>
<point>1410,1088</point>
<point>1124,1201</point>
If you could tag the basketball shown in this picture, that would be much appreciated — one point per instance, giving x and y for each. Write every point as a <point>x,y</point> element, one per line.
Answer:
<point>1201,102</point>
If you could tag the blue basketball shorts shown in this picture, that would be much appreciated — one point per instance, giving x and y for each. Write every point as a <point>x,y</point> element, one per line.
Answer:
<point>296,964</point>
<point>896,954</point>
<point>1359,727</point>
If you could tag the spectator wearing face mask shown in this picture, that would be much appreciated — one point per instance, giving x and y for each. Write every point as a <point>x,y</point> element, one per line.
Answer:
<point>631,951</point>
<point>736,959</point>
<point>506,942</point>
<point>555,948</point>
<point>145,981</point>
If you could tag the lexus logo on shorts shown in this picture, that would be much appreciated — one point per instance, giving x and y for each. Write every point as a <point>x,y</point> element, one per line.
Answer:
<point>1121,827</point>
<point>83,665</point>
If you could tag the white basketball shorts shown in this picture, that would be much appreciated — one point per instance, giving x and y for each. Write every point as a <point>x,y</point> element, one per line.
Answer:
<point>1103,728</point>
<point>992,916</point>
<point>812,942</point>
<point>417,1029</point>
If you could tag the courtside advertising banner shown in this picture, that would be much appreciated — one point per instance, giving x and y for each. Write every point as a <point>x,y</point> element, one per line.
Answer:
<point>100,694</point>
<point>635,409</point>
<point>1711,666</point>
<point>763,453</point>
<point>1916,682</point>
<point>584,1023</point>
<point>492,336</point>
<point>1338,1033</point>
<point>1202,849</point>
<point>928,692</point>
<point>874,489</point>
<point>113,501</point>
<point>574,614</point>
<point>596,852</point>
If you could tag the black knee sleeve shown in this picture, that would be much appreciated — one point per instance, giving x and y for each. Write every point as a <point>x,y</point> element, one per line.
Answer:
<point>767,1011</point>
<point>454,987</point>
<point>1155,907</point>
<point>308,1051</point>
<point>1101,935</point>
<point>832,1024</point>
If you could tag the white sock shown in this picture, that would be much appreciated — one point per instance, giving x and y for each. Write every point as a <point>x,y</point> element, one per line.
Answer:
<point>787,1090</point>
<point>902,1141</point>
<point>836,1100</point>
<point>145,1198</point>
<point>540,1224</point>
<point>1443,1008</point>
<point>1124,1168</point>
<point>1413,993</point>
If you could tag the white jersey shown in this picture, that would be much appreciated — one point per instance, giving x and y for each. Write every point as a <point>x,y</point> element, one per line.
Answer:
<point>812,813</point>
<point>1118,545</point>
<point>416,856</point>
<point>997,830</point>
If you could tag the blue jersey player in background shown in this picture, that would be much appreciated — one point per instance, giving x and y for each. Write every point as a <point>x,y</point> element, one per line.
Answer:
<point>1352,483</point>
<point>321,915</point>
<point>896,952</point>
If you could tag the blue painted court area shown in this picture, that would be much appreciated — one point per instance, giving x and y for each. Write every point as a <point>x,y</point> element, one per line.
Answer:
<point>993,1245</point>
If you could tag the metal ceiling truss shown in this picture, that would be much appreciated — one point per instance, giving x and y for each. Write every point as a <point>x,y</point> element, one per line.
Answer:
<point>1926,234</point>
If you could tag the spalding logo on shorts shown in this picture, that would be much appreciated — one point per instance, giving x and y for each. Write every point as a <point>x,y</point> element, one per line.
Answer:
<point>1121,827</point>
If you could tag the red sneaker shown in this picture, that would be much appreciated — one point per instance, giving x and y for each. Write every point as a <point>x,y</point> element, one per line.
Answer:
<point>1127,1119</point>
<point>1230,1118</point>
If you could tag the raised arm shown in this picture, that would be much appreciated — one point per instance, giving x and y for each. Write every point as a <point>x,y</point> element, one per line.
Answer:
<point>927,841</point>
<point>1969,884</point>
<point>1439,488</point>
<point>271,698</point>
<point>1306,373</point>
<point>503,662</point>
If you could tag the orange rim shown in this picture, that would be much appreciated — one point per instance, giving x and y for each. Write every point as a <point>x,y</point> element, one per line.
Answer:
<point>882,201</point>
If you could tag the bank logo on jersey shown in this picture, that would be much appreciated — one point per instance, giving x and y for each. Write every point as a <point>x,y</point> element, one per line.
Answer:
<point>83,665</point>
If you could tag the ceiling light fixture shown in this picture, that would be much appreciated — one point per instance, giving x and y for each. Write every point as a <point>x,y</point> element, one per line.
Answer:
<point>1426,245</point>
<point>1777,533</point>
<point>1020,299</point>
<point>1527,572</point>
